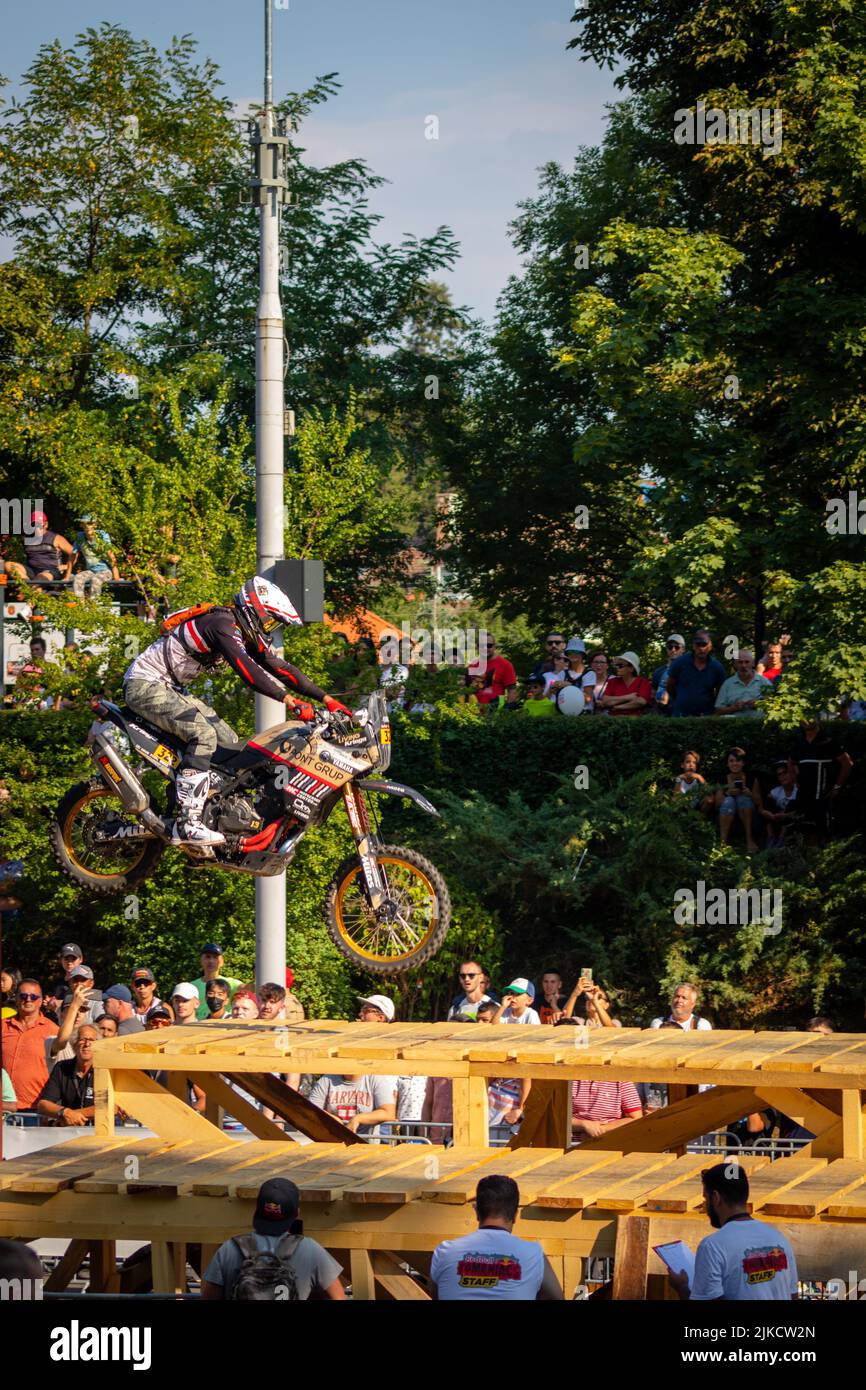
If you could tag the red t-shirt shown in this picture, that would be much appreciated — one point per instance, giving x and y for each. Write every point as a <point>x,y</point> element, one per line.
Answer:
<point>501,675</point>
<point>641,686</point>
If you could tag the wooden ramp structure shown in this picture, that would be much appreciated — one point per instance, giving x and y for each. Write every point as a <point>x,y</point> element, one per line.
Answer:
<point>382,1210</point>
<point>815,1079</point>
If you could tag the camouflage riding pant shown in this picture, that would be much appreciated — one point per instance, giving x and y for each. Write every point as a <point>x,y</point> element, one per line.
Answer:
<point>184,716</point>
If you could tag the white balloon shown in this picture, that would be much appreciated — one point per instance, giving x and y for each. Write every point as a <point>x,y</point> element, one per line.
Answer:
<point>570,700</point>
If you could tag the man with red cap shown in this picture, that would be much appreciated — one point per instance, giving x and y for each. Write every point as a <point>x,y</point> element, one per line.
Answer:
<point>44,551</point>
<point>277,1261</point>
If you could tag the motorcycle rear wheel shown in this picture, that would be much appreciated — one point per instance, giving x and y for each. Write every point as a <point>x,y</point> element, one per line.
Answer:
<point>104,870</point>
<point>422,903</point>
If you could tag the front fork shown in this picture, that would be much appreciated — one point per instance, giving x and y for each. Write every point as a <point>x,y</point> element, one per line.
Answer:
<point>356,810</point>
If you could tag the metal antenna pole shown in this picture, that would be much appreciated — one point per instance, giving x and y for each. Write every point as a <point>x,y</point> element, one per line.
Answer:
<point>270,191</point>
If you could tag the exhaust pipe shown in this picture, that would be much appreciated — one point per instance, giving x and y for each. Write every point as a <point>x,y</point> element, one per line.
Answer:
<point>118,777</point>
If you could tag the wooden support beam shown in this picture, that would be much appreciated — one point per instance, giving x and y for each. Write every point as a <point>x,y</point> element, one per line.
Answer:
<point>236,1106</point>
<point>395,1281</point>
<point>299,1112</point>
<point>813,1114</point>
<point>63,1273</point>
<point>471,1112</point>
<point>631,1257</point>
<point>152,1105</point>
<point>546,1122</point>
<point>103,1100</point>
<point>674,1126</point>
<point>853,1124</point>
<point>363,1276</point>
<point>168,1260</point>
<point>104,1276</point>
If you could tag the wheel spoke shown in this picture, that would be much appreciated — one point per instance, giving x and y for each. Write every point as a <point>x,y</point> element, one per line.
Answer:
<point>100,861</point>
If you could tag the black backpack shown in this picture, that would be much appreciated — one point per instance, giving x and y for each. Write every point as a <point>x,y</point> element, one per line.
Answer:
<point>265,1274</point>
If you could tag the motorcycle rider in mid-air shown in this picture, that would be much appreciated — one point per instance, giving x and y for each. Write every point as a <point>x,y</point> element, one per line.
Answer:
<point>239,633</point>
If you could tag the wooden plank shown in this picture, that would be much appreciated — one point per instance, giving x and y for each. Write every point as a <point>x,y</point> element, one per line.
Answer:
<point>852,1207</point>
<point>582,1190</point>
<point>312,1121</point>
<point>852,1064</point>
<point>676,1124</point>
<point>768,1184</point>
<point>634,1191</point>
<point>509,1163</point>
<point>686,1192</point>
<point>852,1125</point>
<point>666,1047</point>
<point>347,1168</point>
<point>400,1186</point>
<point>111,1175</point>
<point>760,1052</point>
<point>168,1173</point>
<point>69,1170</point>
<point>471,1112</point>
<point>821,1050</point>
<point>815,1194</point>
<point>245,1160</point>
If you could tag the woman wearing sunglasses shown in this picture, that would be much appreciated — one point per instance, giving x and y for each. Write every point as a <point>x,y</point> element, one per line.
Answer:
<point>628,692</point>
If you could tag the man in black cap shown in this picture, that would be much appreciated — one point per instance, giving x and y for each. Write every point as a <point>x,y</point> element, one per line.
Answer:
<point>144,997</point>
<point>277,1259</point>
<point>70,958</point>
<point>118,1005</point>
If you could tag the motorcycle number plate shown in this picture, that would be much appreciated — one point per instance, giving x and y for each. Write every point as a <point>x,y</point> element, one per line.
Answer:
<point>166,755</point>
<point>385,734</point>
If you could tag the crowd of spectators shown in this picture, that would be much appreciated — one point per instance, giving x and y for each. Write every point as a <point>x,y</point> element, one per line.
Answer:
<point>571,678</point>
<point>808,775</point>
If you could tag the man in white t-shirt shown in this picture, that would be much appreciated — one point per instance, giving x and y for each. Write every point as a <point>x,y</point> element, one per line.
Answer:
<point>744,1260</point>
<point>491,1263</point>
<point>683,1002</point>
<point>361,1102</point>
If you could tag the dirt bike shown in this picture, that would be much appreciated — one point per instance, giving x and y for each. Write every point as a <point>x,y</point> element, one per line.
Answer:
<point>387,908</point>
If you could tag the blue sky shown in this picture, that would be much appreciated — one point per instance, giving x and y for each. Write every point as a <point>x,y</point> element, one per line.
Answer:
<point>496,73</point>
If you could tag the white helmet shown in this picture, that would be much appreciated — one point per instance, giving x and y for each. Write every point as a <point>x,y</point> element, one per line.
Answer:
<point>260,608</point>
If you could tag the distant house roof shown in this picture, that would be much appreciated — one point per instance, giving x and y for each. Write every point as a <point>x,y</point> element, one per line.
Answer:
<point>363,623</point>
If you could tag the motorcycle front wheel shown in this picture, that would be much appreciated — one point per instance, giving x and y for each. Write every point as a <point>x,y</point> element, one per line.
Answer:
<point>410,927</point>
<point>111,868</point>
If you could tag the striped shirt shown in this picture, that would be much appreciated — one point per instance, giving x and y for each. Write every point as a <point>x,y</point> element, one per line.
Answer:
<point>604,1100</point>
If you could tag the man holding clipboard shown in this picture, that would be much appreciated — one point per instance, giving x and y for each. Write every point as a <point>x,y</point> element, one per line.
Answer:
<point>743,1259</point>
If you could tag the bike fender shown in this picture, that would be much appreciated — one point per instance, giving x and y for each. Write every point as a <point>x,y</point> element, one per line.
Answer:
<point>398,789</point>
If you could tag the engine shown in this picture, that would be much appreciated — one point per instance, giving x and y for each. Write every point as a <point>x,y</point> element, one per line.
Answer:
<point>236,815</point>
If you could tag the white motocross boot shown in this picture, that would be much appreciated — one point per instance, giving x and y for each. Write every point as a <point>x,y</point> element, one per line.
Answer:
<point>191,788</point>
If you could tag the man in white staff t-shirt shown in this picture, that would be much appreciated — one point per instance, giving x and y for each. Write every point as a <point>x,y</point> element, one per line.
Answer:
<point>744,1259</point>
<point>491,1263</point>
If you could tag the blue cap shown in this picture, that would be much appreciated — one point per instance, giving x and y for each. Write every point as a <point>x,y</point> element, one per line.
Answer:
<point>212,950</point>
<point>118,992</point>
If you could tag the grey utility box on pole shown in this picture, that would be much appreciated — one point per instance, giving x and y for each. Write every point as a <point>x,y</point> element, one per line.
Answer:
<point>304,582</point>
